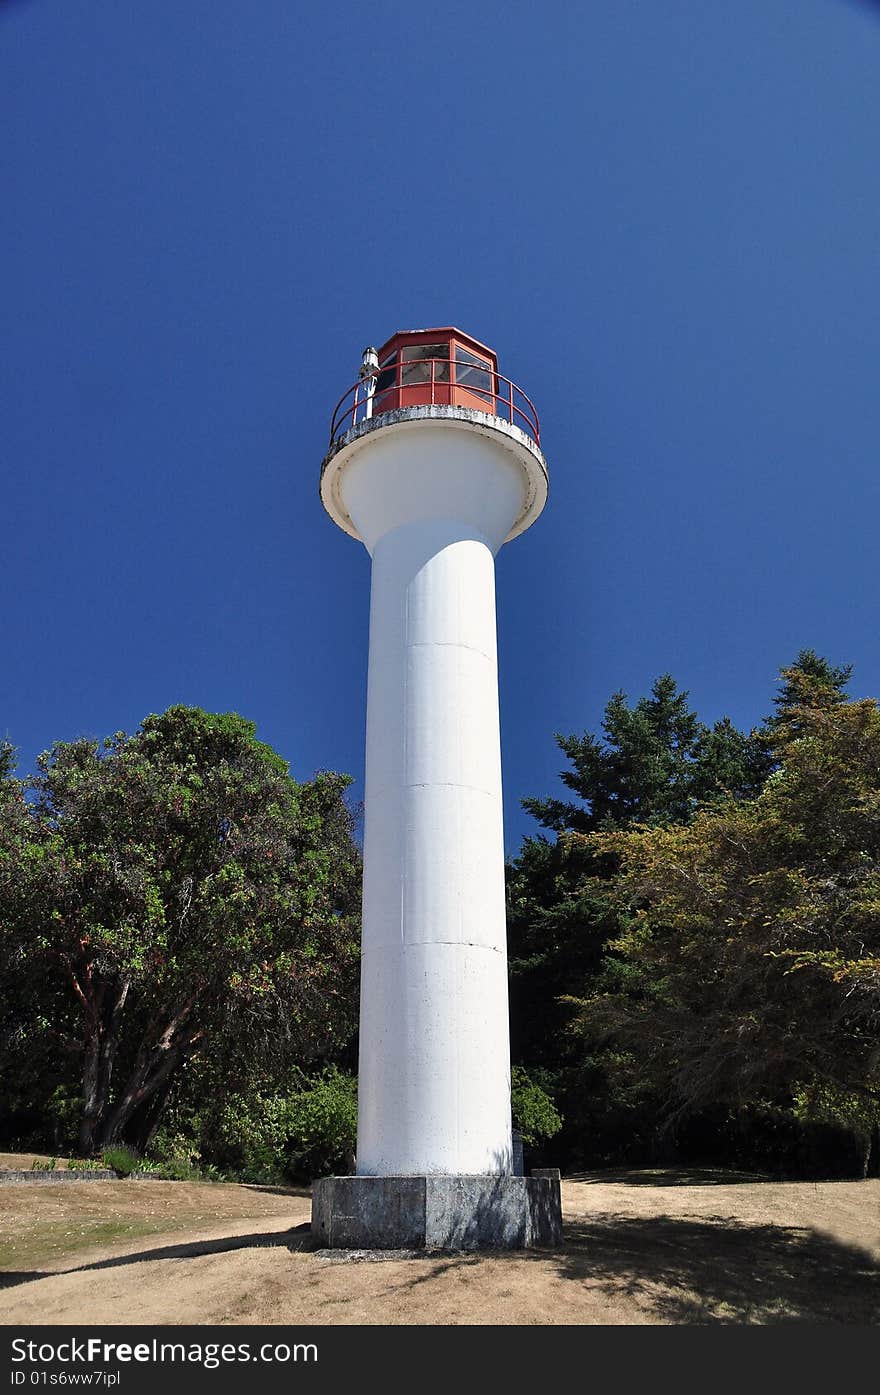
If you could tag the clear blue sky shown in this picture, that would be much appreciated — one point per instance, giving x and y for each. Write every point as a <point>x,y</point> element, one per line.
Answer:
<point>665,217</point>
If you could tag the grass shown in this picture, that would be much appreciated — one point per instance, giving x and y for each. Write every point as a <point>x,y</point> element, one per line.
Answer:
<point>679,1248</point>
<point>40,1243</point>
<point>45,1226</point>
<point>24,1162</point>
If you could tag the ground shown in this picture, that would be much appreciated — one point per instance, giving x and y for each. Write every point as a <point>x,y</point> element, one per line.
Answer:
<point>640,1247</point>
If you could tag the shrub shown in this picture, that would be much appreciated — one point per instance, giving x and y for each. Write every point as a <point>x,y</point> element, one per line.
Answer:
<point>122,1160</point>
<point>145,1168</point>
<point>174,1170</point>
<point>248,1137</point>
<point>172,1145</point>
<point>322,1125</point>
<point>534,1113</point>
<point>273,1138</point>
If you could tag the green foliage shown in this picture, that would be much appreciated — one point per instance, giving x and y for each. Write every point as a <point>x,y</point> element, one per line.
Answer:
<point>811,683</point>
<point>655,763</point>
<point>825,1101</point>
<point>557,928</point>
<point>322,1124</point>
<point>172,894</point>
<point>751,936</point>
<point>641,1000</point>
<point>7,762</point>
<point>122,1160</point>
<point>171,1145</point>
<point>534,1113</point>
<point>47,1166</point>
<point>34,1010</point>
<point>248,1136</point>
<point>179,1170</point>
<point>263,1136</point>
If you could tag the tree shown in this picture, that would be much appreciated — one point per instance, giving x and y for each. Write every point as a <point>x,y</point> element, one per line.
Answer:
<point>811,683</point>
<point>748,966</point>
<point>187,892</point>
<point>656,763</point>
<point>535,1115</point>
<point>34,1061</point>
<point>653,765</point>
<point>7,763</point>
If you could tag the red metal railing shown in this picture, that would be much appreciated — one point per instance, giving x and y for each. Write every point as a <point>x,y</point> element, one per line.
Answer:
<point>501,397</point>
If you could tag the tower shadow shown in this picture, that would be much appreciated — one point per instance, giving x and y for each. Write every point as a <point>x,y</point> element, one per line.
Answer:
<point>710,1270</point>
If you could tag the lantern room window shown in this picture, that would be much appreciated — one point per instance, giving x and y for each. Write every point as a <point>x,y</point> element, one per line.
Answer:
<point>386,375</point>
<point>472,372</point>
<point>415,367</point>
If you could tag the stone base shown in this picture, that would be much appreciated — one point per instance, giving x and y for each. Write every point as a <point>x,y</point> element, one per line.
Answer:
<point>436,1213</point>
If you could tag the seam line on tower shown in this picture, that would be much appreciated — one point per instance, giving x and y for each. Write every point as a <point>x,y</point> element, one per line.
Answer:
<point>433,784</point>
<point>416,944</point>
<point>447,644</point>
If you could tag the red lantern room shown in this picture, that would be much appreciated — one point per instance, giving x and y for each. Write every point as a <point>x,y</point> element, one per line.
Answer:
<point>436,366</point>
<point>433,368</point>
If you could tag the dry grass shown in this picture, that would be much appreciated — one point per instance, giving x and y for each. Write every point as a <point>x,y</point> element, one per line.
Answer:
<point>25,1161</point>
<point>639,1248</point>
<point>44,1226</point>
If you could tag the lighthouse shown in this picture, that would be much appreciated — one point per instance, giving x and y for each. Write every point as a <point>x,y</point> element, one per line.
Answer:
<point>434,463</point>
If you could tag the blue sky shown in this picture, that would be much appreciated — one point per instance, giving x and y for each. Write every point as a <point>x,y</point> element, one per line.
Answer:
<point>665,218</point>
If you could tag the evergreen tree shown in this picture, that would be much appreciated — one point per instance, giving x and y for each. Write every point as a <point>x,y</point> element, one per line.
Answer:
<point>655,764</point>
<point>747,968</point>
<point>811,683</point>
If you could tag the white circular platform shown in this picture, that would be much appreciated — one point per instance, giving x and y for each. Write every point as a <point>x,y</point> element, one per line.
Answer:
<point>521,447</point>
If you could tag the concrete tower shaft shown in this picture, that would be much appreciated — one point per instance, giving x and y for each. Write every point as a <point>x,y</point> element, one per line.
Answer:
<point>433,498</point>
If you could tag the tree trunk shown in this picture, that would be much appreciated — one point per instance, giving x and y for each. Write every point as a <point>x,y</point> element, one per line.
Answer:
<point>102,1041</point>
<point>159,1055</point>
<point>92,1101</point>
<point>142,1085</point>
<point>147,1118</point>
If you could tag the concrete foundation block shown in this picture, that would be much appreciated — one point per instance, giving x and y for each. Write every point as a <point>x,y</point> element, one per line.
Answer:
<point>436,1213</point>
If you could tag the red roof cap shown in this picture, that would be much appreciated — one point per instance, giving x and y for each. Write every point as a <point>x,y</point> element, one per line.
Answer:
<point>443,332</point>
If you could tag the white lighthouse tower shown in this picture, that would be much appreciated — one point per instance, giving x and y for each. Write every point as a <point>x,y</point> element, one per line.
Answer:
<point>434,463</point>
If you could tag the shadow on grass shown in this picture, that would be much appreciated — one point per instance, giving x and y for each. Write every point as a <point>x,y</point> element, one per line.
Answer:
<point>714,1270</point>
<point>301,1192</point>
<point>663,1269</point>
<point>671,1176</point>
<point>296,1239</point>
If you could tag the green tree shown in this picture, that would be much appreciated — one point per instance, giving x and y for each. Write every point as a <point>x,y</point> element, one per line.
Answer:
<point>748,965</point>
<point>35,1062</point>
<point>810,684</point>
<point>655,762</point>
<point>322,1124</point>
<point>534,1113</point>
<point>7,763</point>
<point>186,892</point>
